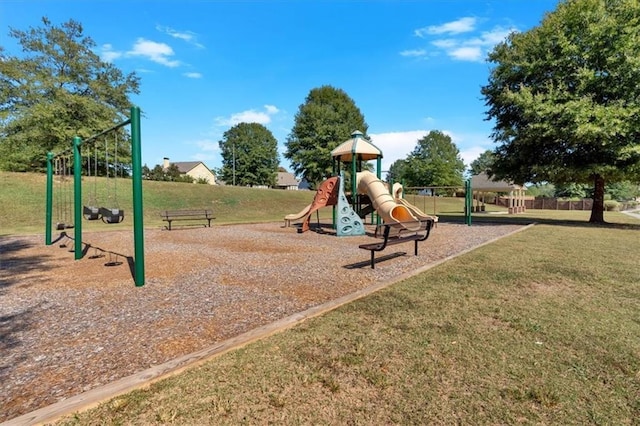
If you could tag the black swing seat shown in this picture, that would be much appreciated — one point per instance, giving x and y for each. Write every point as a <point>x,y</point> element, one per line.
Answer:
<point>111,215</point>
<point>90,212</point>
<point>60,226</point>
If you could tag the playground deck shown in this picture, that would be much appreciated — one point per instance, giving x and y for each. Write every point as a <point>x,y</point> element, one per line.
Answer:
<point>71,326</point>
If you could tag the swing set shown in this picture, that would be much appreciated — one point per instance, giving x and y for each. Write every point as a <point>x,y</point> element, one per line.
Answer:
<point>107,214</point>
<point>66,198</point>
<point>64,193</point>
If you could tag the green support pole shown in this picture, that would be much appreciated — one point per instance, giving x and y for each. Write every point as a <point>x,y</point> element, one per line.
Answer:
<point>354,189</point>
<point>468,203</point>
<point>49,207</point>
<point>77,198</point>
<point>138,227</point>
<point>334,214</point>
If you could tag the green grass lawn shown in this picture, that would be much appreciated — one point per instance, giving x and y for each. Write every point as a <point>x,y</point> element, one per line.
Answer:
<point>22,202</point>
<point>537,328</point>
<point>541,327</point>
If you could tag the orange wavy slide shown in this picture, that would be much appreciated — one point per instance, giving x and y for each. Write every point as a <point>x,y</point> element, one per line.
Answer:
<point>326,195</point>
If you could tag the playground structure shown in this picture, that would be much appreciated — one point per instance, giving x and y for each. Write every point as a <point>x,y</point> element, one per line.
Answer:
<point>326,195</point>
<point>107,214</point>
<point>369,194</point>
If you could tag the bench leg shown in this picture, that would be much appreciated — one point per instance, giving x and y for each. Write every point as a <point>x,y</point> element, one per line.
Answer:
<point>169,225</point>
<point>209,224</point>
<point>373,260</point>
<point>415,250</point>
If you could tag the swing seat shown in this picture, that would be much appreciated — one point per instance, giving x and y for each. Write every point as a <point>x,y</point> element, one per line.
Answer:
<point>111,215</point>
<point>90,213</point>
<point>61,226</point>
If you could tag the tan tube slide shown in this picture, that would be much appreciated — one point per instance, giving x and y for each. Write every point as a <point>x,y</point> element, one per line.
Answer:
<point>398,191</point>
<point>383,202</point>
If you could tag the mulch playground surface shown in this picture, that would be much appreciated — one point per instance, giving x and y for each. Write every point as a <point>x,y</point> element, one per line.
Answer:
<point>69,326</point>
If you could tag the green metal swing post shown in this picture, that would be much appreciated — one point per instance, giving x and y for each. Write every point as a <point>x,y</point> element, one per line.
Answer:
<point>49,204</point>
<point>138,223</point>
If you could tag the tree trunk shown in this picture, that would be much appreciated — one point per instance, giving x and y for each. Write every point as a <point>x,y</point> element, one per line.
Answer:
<point>597,211</point>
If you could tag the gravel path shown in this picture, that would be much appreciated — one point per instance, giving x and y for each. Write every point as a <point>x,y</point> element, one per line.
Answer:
<point>69,326</point>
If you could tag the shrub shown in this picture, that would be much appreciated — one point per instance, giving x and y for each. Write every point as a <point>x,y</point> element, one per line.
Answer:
<point>611,205</point>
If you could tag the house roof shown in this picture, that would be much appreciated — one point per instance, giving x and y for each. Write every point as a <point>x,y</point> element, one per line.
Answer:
<point>187,166</point>
<point>286,179</point>
<point>482,182</point>
<point>357,145</point>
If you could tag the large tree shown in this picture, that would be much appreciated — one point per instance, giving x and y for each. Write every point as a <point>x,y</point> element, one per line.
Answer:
<point>326,119</point>
<point>56,89</point>
<point>249,155</point>
<point>397,170</point>
<point>482,164</point>
<point>566,100</point>
<point>435,161</point>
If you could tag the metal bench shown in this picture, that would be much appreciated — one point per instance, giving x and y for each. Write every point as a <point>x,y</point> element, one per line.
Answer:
<point>398,233</point>
<point>173,215</point>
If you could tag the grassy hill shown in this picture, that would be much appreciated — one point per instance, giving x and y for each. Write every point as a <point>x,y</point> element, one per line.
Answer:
<point>22,201</point>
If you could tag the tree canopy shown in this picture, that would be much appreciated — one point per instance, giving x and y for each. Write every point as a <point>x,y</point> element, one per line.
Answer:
<point>170,174</point>
<point>397,170</point>
<point>482,164</point>
<point>56,89</point>
<point>326,119</point>
<point>249,155</point>
<point>435,161</point>
<point>565,98</point>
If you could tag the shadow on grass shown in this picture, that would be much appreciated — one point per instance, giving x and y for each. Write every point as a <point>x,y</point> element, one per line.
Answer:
<point>503,219</point>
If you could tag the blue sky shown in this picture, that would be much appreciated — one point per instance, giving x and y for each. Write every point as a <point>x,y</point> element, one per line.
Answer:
<point>411,66</point>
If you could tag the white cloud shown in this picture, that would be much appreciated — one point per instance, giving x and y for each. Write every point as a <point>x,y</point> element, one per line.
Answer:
<point>107,53</point>
<point>156,52</point>
<point>471,145</point>
<point>470,154</point>
<point>271,109</point>
<point>462,25</point>
<point>192,75</point>
<point>468,53</point>
<point>470,47</point>
<point>445,43</point>
<point>396,145</point>
<point>496,35</point>
<point>188,36</point>
<point>249,116</point>
<point>208,150</point>
<point>414,53</point>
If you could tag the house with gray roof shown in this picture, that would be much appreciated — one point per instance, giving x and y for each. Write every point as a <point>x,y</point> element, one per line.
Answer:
<point>285,180</point>
<point>195,169</point>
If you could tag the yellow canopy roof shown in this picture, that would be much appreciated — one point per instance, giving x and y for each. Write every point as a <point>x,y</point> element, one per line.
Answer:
<point>358,146</point>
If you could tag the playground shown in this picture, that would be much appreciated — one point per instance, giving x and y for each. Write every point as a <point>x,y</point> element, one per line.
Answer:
<point>77,325</point>
<point>82,313</point>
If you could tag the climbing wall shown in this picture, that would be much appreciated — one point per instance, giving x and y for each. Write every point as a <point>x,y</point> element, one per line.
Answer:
<point>348,221</point>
